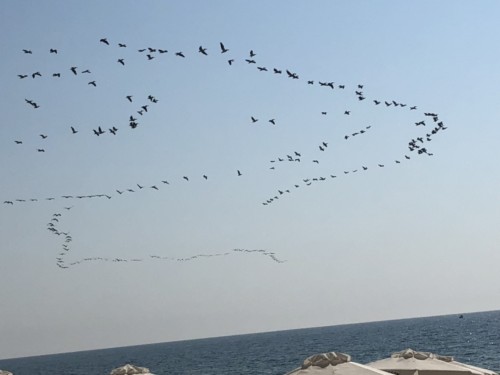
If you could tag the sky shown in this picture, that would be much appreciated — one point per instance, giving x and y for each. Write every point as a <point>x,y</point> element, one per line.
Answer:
<point>258,244</point>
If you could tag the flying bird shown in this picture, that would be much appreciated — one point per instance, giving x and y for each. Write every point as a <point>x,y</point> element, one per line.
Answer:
<point>180,54</point>
<point>121,61</point>
<point>104,40</point>
<point>73,69</point>
<point>129,98</point>
<point>222,48</point>
<point>202,50</point>
<point>73,130</point>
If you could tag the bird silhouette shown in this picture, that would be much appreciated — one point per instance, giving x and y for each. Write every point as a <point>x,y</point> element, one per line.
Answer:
<point>53,50</point>
<point>73,130</point>
<point>73,69</point>
<point>222,48</point>
<point>27,51</point>
<point>122,45</point>
<point>104,40</point>
<point>239,173</point>
<point>22,76</point>
<point>180,54</point>
<point>121,61</point>
<point>129,98</point>
<point>202,50</point>
<point>92,83</point>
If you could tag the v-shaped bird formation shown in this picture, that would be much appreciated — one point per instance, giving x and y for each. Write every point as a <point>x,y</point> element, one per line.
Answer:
<point>140,106</point>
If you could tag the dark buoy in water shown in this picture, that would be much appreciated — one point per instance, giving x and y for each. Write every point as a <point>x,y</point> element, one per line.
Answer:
<point>460,316</point>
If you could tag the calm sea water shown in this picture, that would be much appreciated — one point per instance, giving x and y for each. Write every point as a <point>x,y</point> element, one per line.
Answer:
<point>475,339</point>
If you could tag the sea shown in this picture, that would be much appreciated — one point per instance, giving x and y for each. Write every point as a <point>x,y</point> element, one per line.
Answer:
<point>473,338</point>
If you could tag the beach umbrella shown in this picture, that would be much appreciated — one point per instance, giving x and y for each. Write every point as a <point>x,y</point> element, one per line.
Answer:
<point>411,362</point>
<point>3,372</point>
<point>452,361</point>
<point>129,369</point>
<point>334,363</point>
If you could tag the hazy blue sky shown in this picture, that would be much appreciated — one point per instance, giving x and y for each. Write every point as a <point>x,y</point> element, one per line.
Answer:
<point>414,238</point>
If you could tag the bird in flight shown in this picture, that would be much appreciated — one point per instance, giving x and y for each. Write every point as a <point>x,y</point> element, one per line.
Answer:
<point>180,54</point>
<point>104,40</point>
<point>202,50</point>
<point>92,83</point>
<point>121,61</point>
<point>239,173</point>
<point>222,48</point>
<point>122,45</point>
<point>53,50</point>
<point>22,76</point>
<point>129,98</point>
<point>73,69</point>
<point>73,130</point>
<point>28,51</point>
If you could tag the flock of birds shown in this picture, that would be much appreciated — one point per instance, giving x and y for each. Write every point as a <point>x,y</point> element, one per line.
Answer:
<point>416,146</point>
<point>53,225</point>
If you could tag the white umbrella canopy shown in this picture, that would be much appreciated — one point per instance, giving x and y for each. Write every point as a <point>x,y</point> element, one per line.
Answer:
<point>410,362</point>
<point>334,363</point>
<point>129,369</point>
<point>452,361</point>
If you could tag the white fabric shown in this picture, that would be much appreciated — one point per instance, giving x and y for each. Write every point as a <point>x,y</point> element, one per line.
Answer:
<point>334,363</point>
<point>129,369</point>
<point>410,362</point>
